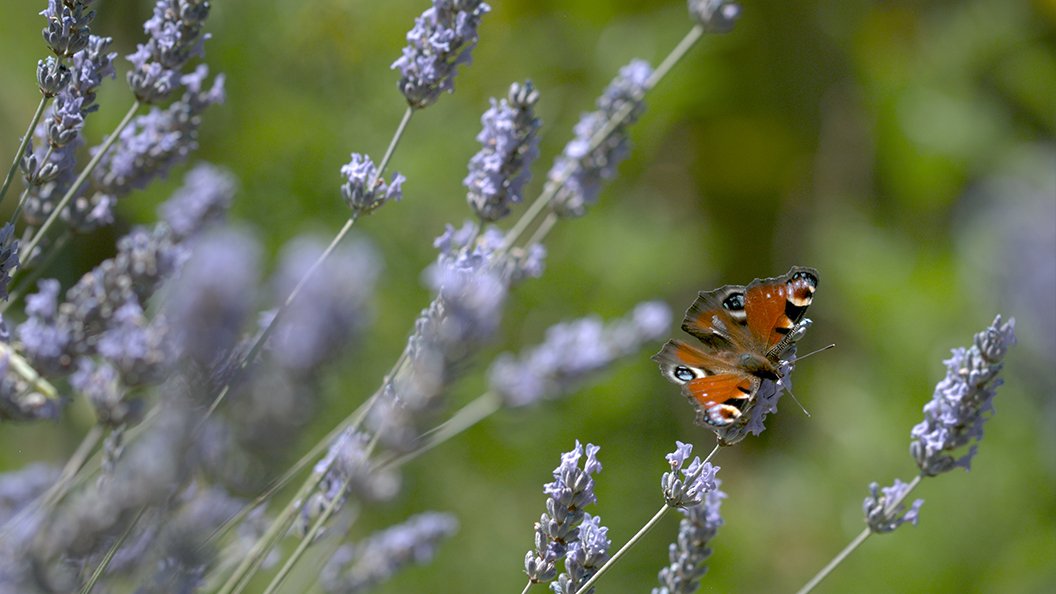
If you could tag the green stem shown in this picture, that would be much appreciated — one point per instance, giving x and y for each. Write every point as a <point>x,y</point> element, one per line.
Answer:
<point>22,146</point>
<point>626,547</point>
<point>302,546</point>
<point>476,411</point>
<point>28,250</point>
<point>101,568</point>
<point>854,544</point>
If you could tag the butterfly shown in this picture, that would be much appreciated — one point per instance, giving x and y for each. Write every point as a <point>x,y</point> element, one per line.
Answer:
<point>744,332</point>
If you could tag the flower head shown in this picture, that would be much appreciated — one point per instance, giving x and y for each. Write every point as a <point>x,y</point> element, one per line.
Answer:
<point>885,512</point>
<point>364,189</point>
<point>499,171</point>
<point>601,142</point>
<point>174,36</point>
<point>717,16</point>
<point>575,352</point>
<point>571,490</point>
<point>67,30</point>
<point>686,486</point>
<point>962,402</point>
<point>442,38</point>
<point>584,557</point>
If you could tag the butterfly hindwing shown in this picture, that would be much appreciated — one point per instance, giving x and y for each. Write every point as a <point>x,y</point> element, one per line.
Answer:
<point>718,390</point>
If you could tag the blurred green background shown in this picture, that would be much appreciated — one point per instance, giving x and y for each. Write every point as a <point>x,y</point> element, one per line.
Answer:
<point>905,149</point>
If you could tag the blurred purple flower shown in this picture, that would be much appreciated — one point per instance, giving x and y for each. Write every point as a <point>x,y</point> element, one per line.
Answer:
<point>208,306</point>
<point>571,490</point>
<point>578,173</point>
<point>203,199</point>
<point>716,16</point>
<point>360,567</point>
<point>332,306</point>
<point>101,385</point>
<point>501,168</point>
<point>46,337</point>
<point>573,353</point>
<point>962,402</point>
<point>882,514</point>
<point>442,38</point>
<point>151,145</point>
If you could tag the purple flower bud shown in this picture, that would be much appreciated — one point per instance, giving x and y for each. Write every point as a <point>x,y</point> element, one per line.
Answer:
<point>686,486</point>
<point>882,514</point>
<point>717,16</point>
<point>174,37</point>
<point>499,171</point>
<point>67,30</point>
<point>584,557</point>
<point>442,38</point>
<point>52,76</point>
<point>364,189</point>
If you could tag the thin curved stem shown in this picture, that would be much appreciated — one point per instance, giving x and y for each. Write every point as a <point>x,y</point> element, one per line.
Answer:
<point>856,542</point>
<point>109,556</point>
<point>626,547</point>
<point>75,187</point>
<point>476,411</point>
<point>22,146</point>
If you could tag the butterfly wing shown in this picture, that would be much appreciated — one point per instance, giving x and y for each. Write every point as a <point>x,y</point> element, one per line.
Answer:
<point>718,390</point>
<point>773,306</point>
<point>717,318</point>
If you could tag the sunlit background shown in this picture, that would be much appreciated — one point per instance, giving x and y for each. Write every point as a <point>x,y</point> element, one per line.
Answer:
<point>904,149</point>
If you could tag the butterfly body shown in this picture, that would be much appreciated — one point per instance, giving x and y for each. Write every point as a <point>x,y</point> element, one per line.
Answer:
<point>744,331</point>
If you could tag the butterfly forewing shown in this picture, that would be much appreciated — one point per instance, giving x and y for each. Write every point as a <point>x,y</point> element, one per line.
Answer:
<point>715,387</point>
<point>773,306</point>
<point>717,318</point>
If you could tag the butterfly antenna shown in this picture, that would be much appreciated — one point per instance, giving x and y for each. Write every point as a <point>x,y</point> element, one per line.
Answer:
<point>815,352</point>
<point>796,400</point>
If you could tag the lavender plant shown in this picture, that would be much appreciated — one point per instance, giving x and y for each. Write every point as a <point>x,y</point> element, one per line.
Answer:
<point>203,367</point>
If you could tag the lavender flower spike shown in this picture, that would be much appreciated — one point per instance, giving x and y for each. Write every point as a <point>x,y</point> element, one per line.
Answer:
<point>360,567</point>
<point>585,556</point>
<point>557,529</point>
<point>963,401</point>
<point>575,352</point>
<point>579,171</point>
<point>8,257</point>
<point>882,514</point>
<point>688,553</point>
<point>174,37</point>
<point>68,26</point>
<point>696,480</point>
<point>365,190</point>
<point>499,171</point>
<point>716,16</point>
<point>442,38</point>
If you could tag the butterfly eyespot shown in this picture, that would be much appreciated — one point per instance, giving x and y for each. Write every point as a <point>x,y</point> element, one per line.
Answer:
<point>734,302</point>
<point>683,374</point>
<point>810,278</point>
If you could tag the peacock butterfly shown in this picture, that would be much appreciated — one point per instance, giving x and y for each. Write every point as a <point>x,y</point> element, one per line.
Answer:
<point>745,332</point>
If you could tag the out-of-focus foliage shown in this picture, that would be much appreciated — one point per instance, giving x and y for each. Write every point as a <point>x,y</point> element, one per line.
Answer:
<point>904,149</point>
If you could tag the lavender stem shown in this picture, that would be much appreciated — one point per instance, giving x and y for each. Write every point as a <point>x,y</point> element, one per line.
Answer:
<point>22,146</point>
<point>854,544</point>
